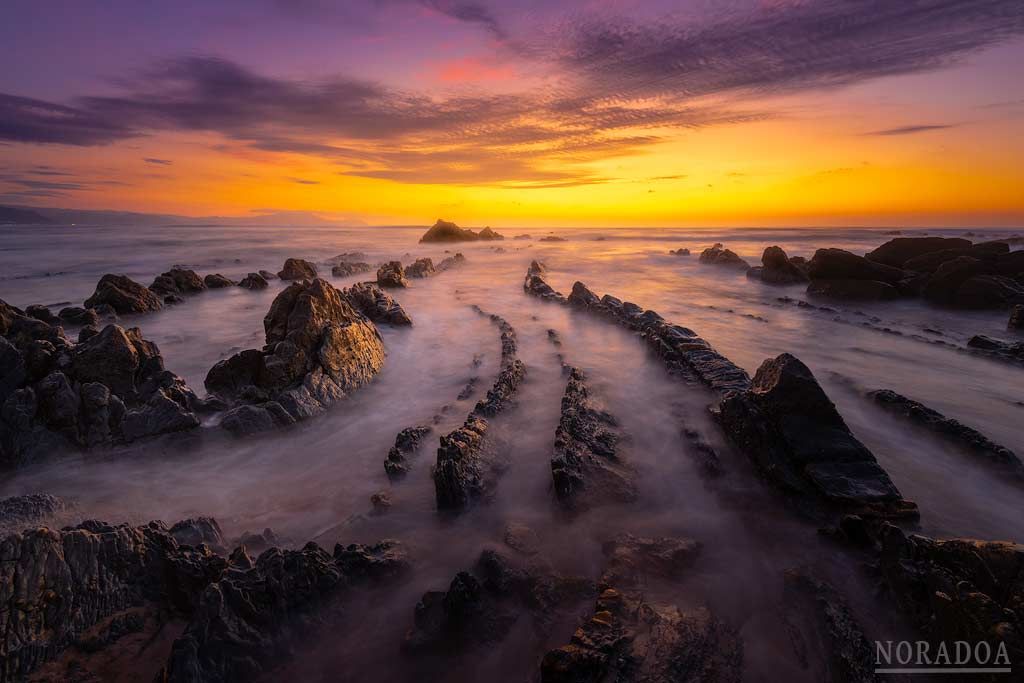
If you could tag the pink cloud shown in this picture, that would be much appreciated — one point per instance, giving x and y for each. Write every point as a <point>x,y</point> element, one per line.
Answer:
<point>472,70</point>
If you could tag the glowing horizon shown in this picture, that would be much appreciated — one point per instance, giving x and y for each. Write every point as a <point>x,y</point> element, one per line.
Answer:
<point>597,113</point>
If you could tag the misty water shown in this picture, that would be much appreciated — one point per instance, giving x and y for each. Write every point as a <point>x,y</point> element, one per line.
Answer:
<point>314,481</point>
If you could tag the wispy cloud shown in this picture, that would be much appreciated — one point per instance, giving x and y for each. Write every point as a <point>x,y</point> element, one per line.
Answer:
<point>154,160</point>
<point>23,119</point>
<point>304,181</point>
<point>911,130</point>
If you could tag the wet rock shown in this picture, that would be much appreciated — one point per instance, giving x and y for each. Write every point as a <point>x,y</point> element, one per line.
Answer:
<point>777,269</point>
<point>296,269</point>
<point>376,304</point>
<point>247,622</point>
<point>176,282</point>
<point>392,274</point>
<point>896,252</point>
<point>1016,321</point>
<point>552,238</point>
<point>217,281</point>
<point>450,262</point>
<point>421,267</point>
<point>407,443</point>
<point>679,252</point>
<point>988,291</point>
<point>318,350</point>
<point>510,375</point>
<point>586,468</point>
<point>79,317</point>
<point>30,509</point>
<point>837,264</point>
<point>521,538</point>
<point>253,281</point>
<point>446,231</point>
<point>258,542</point>
<point>535,285</point>
<point>267,275</point>
<point>253,419</point>
<point>346,268</point>
<point>630,557</point>
<point>968,438</point>
<point>929,263</point>
<point>1012,351</point>
<point>381,502</point>
<point>43,313</point>
<point>465,468</point>
<point>795,436</point>
<point>853,290</point>
<point>123,295</point>
<point>198,530</point>
<point>720,256</point>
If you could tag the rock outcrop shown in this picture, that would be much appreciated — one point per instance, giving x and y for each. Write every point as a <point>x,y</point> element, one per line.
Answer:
<point>718,255</point>
<point>123,295</point>
<point>838,264</point>
<point>777,269</point>
<point>18,512</point>
<point>957,432</point>
<point>450,262</point>
<point>896,252</point>
<point>376,304</point>
<point>853,290</point>
<point>392,274</point>
<point>217,281</point>
<point>177,282</point>
<point>421,267</point>
<point>510,374</point>
<point>795,436</point>
<point>318,350</point>
<point>253,281</point>
<point>407,443</point>
<point>535,285</point>
<point>297,269</point>
<point>346,268</point>
<point>1016,321</point>
<point>446,231</point>
<point>1004,350</point>
<point>465,470</point>
<point>77,316</point>
<point>682,251</point>
<point>586,467</point>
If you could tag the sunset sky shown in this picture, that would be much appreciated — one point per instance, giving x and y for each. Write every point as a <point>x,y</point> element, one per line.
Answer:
<point>521,112</point>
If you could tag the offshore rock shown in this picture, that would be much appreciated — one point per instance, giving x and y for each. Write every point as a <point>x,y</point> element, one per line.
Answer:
<point>896,252</point>
<point>720,256</point>
<point>446,231</point>
<point>1011,351</point>
<point>421,267</point>
<point>450,262</point>
<point>535,285</point>
<point>930,262</point>
<point>346,268</point>
<point>1016,321</point>
<point>777,269</point>
<point>795,436</point>
<point>253,281</point>
<point>837,264</point>
<point>217,281</point>
<point>465,470</point>
<point>407,443</point>
<point>392,274</point>
<point>297,269</point>
<point>585,467</point>
<point>177,281</point>
<point>79,317</point>
<point>123,295</point>
<point>376,304</point>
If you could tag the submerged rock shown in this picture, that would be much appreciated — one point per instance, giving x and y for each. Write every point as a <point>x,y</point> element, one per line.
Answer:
<point>585,467</point>
<point>451,262</point>
<point>217,281</point>
<point>777,269</point>
<point>296,269</point>
<point>720,256</point>
<point>123,295</point>
<point>177,281</point>
<point>421,267</point>
<point>392,274</point>
<point>1012,351</point>
<point>853,290</point>
<point>795,436</point>
<point>446,231</point>
<point>838,264</point>
<point>407,443</point>
<point>679,252</point>
<point>376,304</point>
<point>896,252</point>
<point>346,268</point>
<point>253,281</point>
<point>510,375</point>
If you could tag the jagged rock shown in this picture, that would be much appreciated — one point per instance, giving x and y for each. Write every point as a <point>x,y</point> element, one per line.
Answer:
<point>896,252</point>
<point>198,530</point>
<point>318,350</point>
<point>60,583</point>
<point>258,542</point>
<point>510,375</point>
<point>552,238</point>
<point>346,268</point>
<point>421,267</point>
<point>33,508</point>
<point>253,419</point>
<point>123,295</point>
<point>79,317</point>
<point>296,269</point>
<point>376,304</point>
<point>43,313</point>
<point>959,433</point>
<point>217,281</point>
<point>679,252</point>
<point>381,502</point>
<point>524,236</point>
<point>446,231</point>
<point>407,442</point>
<point>1016,321</point>
<point>929,263</point>
<point>826,635</point>
<point>987,291</point>
<point>247,622</point>
<point>450,262</point>
<point>267,275</point>
<point>853,290</point>
<point>392,274</point>
<point>630,557</point>
<point>521,538</point>
<point>720,256</point>
<point>585,467</point>
<point>177,281</point>
<point>480,606</point>
<point>1013,351</point>
<point>777,269</point>
<point>253,281</point>
<point>837,264</point>
<point>795,436</point>
<point>465,466</point>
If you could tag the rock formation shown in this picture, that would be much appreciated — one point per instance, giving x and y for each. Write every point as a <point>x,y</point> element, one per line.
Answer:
<point>296,269</point>
<point>318,350</point>
<point>346,268</point>
<point>421,267</point>
<point>534,284</point>
<point>1016,321</point>
<point>682,251</point>
<point>79,317</point>
<point>392,274</point>
<point>407,443</point>
<point>450,262</point>
<point>795,436</point>
<point>1004,350</point>
<point>123,295</point>
<point>445,231</point>
<point>777,269</point>
<point>376,304</point>
<point>177,282</point>
<point>896,252</point>
<point>253,281</point>
<point>217,281</point>
<point>720,256</point>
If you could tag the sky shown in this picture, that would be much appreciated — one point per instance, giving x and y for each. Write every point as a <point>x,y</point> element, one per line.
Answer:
<point>520,112</point>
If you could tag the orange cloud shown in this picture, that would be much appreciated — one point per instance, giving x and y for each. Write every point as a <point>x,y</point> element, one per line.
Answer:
<point>473,70</point>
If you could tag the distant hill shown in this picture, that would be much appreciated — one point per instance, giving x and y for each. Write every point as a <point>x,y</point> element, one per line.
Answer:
<point>11,215</point>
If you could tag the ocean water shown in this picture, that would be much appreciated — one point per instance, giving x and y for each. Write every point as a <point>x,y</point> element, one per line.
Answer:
<point>314,482</point>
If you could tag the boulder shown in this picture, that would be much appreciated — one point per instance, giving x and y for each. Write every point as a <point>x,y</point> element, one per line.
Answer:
<point>896,252</point>
<point>253,281</point>
<point>1016,321</point>
<point>267,275</point>
<point>987,291</point>
<point>123,295</point>
<point>43,313</point>
<point>465,470</point>
<point>552,238</point>
<point>928,263</point>
<point>296,269</point>
<point>837,264</point>
<point>535,285</point>
<point>245,420</point>
<point>853,290</point>
<point>776,268</point>
<point>346,268</point>
<point>376,304</point>
<point>720,256</point>
<point>407,443</point>
<point>392,274</point>
<point>177,281</point>
<point>446,231</point>
<point>488,234</point>
<point>1012,351</point>
<point>421,267</point>
<point>451,262</point>
<point>217,281</point>
<point>79,317</point>
<point>679,252</point>
<point>789,428</point>
<point>18,512</point>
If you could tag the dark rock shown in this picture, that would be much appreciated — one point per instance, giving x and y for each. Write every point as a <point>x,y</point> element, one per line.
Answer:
<point>123,295</point>
<point>253,419</point>
<point>465,466</point>
<point>896,252</point>
<point>630,557</point>
<point>929,263</point>
<point>346,268</point>
<point>451,262</point>
<point>267,275</point>
<point>296,269</point>
<point>521,538</point>
<point>535,285</point>
<point>853,290</point>
<point>79,317</point>
<point>173,299</point>
<point>177,281</point>
<point>1005,350</point>
<point>720,256</point>
<point>586,467</point>
<point>30,509</point>
<point>407,442</point>
<point>198,530</point>
<point>380,501</point>
<point>376,304</point>
<point>421,267</point>
<point>445,231</point>
<point>795,436</point>
<point>959,433</point>
<point>837,264</point>
<point>988,291</point>
<point>257,543</point>
<point>778,270</point>
<point>392,274</point>
<point>43,313</point>
<point>253,281</point>
<point>679,252</point>
<point>488,234</point>
<point>552,238</point>
<point>947,279</point>
<point>510,375</point>
<point>217,281</point>
<point>1016,321</point>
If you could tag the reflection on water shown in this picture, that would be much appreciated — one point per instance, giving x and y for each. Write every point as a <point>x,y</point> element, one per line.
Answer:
<point>315,481</point>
